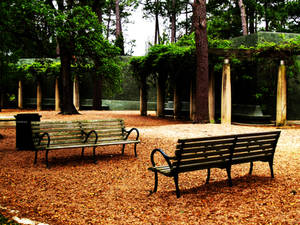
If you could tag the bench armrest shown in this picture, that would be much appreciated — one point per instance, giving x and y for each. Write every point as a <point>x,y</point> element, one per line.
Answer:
<point>129,132</point>
<point>87,135</point>
<point>42,136</point>
<point>166,157</point>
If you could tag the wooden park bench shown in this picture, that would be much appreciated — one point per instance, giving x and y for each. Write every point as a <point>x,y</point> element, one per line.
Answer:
<point>216,152</point>
<point>52,135</point>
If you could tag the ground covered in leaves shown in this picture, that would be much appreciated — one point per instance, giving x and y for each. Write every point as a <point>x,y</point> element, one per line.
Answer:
<point>116,189</point>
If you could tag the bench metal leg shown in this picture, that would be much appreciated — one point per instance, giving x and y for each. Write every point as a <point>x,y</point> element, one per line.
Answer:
<point>251,168</point>
<point>123,148</point>
<point>228,170</point>
<point>135,154</point>
<point>35,156</point>
<point>155,183</point>
<point>47,163</point>
<point>82,152</point>
<point>271,168</point>
<point>176,185</point>
<point>208,176</point>
<point>94,154</point>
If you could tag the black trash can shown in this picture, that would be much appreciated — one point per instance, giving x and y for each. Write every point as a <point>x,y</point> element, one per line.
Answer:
<point>23,130</point>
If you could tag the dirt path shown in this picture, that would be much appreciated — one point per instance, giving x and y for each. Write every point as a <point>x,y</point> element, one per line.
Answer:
<point>116,189</point>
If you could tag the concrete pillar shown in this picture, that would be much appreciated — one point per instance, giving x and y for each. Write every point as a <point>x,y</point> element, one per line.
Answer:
<point>281,96</point>
<point>38,96</point>
<point>57,100</point>
<point>176,101</point>
<point>76,93</point>
<point>20,95</point>
<point>211,97</point>
<point>192,100</point>
<point>226,94</point>
<point>160,98</point>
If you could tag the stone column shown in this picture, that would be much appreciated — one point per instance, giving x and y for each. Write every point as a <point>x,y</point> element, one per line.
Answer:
<point>176,101</point>
<point>57,100</point>
<point>281,96</point>
<point>160,98</point>
<point>38,96</point>
<point>20,95</point>
<point>211,97</point>
<point>226,94</point>
<point>192,100</point>
<point>76,93</point>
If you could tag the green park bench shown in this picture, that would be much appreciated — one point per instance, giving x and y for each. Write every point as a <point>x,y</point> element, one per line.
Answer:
<point>216,152</point>
<point>52,135</point>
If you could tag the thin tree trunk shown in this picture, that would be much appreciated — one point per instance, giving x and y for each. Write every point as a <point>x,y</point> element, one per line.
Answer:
<point>243,17</point>
<point>118,20</point>
<point>199,22</point>
<point>266,16</point>
<point>173,23</point>
<point>108,25</point>
<point>157,35</point>
<point>119,35</point>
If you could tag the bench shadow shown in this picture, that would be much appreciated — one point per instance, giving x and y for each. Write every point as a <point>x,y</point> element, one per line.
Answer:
<point>241,183</point>
<point>78,160</point>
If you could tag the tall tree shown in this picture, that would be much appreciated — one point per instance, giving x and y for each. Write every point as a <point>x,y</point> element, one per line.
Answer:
<point>199,22</point>
<point>243,17</point>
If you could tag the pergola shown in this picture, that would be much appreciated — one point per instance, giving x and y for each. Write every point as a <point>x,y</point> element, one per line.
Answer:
<point>226,96</point>
<point>226,104</point>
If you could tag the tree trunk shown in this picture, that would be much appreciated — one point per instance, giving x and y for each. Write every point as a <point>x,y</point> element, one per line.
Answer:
<point>199,22</point>
<point>266,16</point>
<point>243,17</point>
<point>251,21</point>
<point>156,36</point>
<point>119,35</point>
<point>173,23</point>
<point>66,90</point>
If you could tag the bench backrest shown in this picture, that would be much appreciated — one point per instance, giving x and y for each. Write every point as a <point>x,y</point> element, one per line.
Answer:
<point>201,153</point>
<point>255,145</point>
<point>61,132</point>
<point>107,130</point>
